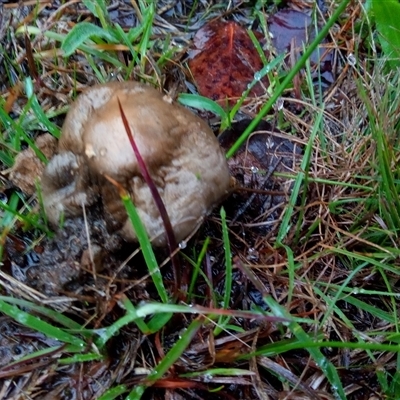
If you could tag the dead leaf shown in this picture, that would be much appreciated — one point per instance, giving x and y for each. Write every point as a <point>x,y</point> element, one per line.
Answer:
<point>224,61</point>
<point>292,30</point>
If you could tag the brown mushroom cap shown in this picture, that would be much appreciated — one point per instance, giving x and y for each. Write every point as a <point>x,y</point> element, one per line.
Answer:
<point>179,149</point>
<point>28,167</point>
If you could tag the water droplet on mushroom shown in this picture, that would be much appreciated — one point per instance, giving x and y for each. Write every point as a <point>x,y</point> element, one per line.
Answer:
<point>254,170</point>
<point>89,151</point>
<point>183,244</point>
<point>167,99</point>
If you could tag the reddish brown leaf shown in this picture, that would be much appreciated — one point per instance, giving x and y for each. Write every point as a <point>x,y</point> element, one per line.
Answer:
<point>177,383</point>
<point>224,61</point>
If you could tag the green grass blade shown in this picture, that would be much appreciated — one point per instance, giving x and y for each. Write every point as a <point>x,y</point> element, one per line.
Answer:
<point>298,184</point>
<point>168,361</point>
<point>35,323</point>
<point>202,103</point>
<point>326,366</point>
<point>386,13</point>
<point>47,312</point>
<point>146,247</point>
<point>37,109</point>
<point>197,266</point>
<point>80,33</point>
<point>113,393</point>
<point>222,321</point>
<point>289,77</point>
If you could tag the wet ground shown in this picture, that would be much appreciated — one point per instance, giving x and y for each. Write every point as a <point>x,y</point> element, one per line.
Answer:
<point>83,271</point>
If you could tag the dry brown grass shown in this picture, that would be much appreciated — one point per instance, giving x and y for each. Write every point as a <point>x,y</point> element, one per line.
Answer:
<point>334,262</point>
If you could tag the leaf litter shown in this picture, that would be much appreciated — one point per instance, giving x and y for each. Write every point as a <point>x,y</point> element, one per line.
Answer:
<point>223,62</point>
<point>59,274</point>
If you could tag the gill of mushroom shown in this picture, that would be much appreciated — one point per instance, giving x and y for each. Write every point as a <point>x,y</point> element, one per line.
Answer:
<point>179,149</point>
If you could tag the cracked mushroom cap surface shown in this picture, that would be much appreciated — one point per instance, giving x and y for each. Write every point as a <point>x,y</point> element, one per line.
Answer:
<point>179,149</point>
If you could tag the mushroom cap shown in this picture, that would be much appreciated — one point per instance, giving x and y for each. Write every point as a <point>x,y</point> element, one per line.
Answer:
<point>180,151</point>
<point>28,167</point>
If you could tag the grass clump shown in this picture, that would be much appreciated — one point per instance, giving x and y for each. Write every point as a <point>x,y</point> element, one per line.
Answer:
<point>292,287</point>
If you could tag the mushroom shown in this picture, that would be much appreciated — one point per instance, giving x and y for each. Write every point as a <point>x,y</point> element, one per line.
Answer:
<point>180,151</point>
<point>28,167</point>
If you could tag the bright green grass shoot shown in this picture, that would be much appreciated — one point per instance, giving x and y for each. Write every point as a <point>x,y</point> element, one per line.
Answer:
<point>224,321</point>
<point>146,247</point>
<point>90,39</point>
<point>289,78</point>
<point>326,366</point>
<point>379,193</point>
<point>14,132</point>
